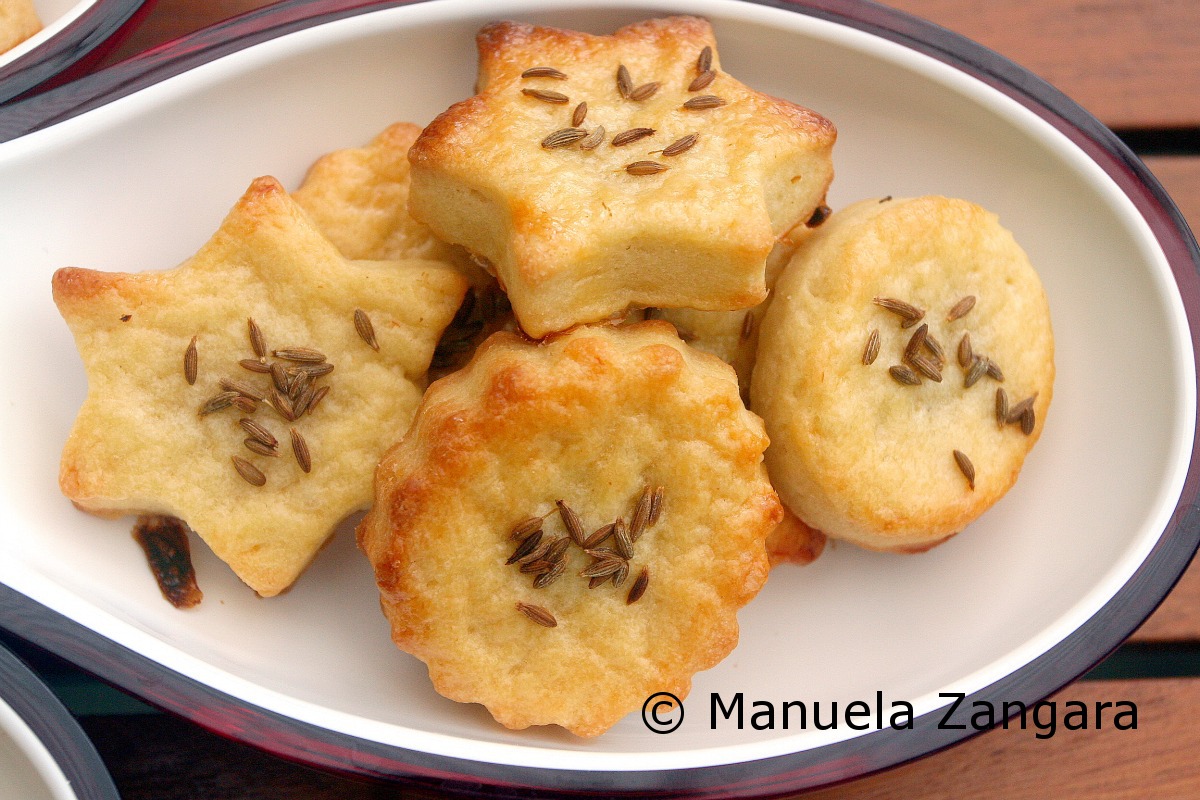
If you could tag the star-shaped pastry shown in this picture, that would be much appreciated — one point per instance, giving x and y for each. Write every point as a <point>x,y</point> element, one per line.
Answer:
<point>251,390</point>
<point>358,197</point>
<point>599,172</point>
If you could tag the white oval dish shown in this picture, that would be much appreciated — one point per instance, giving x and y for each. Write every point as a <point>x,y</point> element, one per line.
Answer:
<point>1042,586</point>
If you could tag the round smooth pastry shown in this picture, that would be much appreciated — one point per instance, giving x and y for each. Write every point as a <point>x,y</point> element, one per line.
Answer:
<point>904,451</point>
<point>603,420</point>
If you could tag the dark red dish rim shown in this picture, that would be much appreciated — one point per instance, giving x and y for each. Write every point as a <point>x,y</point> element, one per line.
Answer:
<point>91,33</point>
<point>768,777</point>
<point>55,728</point>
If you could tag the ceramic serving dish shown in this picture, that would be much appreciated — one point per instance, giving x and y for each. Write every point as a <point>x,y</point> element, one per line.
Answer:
<point>1098,528</point>
<point>44,754</point>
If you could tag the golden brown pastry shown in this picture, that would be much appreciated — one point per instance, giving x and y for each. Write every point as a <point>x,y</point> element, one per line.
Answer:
<point>595,173</point>
<point>587,514</point>
<point>905,368</point>
<point>793,542</point>
<point>18,21</point>
<point>184,416</point>
<point>732,336</point>
<point>358,198</point>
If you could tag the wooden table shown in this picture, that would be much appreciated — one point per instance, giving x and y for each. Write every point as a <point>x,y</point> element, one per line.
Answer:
<point>1135,64</point>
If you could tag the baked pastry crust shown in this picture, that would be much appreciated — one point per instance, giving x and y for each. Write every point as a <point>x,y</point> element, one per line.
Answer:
<point>592,418</point>
<point>856,454</point>
<point>18,21</point>
<point>793,542</point>
<point>732,336</point>
<point>572,235</point>
<point>358,198</point>
<point>139,444</point>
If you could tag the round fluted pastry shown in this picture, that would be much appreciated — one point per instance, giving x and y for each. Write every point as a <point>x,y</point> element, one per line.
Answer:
<point>596,419</point>
<point>883,454</point>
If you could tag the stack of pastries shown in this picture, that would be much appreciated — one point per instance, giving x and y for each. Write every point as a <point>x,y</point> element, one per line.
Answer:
<point>557,329</point>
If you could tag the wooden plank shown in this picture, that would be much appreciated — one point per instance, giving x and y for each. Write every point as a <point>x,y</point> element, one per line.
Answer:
<point>1131,63</point>
<point>1156,760</point>
<point>157,757</point>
